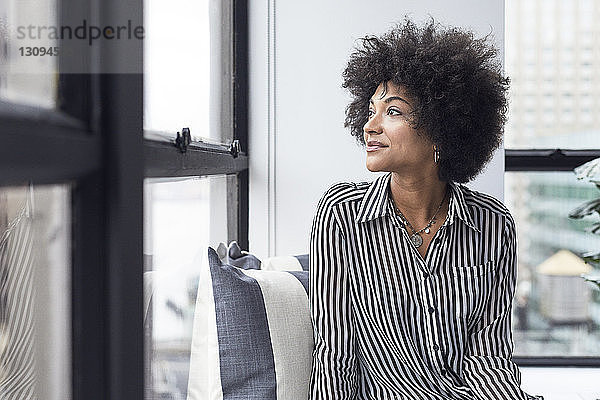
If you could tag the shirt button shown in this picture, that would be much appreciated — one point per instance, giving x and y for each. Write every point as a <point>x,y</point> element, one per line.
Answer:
<point>425,275</point>
<point>436,347</point>
<point>431,310</point>
<point>443,371</point>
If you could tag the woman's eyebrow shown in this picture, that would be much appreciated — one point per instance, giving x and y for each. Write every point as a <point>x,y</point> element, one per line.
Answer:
<point>391,98</point>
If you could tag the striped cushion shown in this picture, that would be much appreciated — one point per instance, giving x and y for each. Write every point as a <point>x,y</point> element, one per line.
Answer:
<point>252,334</point>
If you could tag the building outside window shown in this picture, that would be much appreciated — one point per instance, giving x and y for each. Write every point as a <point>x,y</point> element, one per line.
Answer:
<point>554,104</point>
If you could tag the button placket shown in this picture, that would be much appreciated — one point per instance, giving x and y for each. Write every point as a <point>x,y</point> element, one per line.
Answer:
<point>426,294</point>
<point>433,248</point>
<point>436,248</point>
<point>436,348</point>
<point>432,321</point>
<point>427,285</point>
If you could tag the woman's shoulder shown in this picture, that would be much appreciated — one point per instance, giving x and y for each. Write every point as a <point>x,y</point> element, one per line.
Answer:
<point>342,192</point>
<point>483,200</point>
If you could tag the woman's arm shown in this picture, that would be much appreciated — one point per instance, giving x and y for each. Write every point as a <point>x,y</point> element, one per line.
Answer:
<point>334,372</point>
<point>489,369</point>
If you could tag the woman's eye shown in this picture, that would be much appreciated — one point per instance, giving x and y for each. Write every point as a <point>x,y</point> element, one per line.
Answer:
<point>394,111</point>
<point>370,113</point>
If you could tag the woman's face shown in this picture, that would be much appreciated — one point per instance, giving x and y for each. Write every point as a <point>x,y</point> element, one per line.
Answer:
<point>392,144</point>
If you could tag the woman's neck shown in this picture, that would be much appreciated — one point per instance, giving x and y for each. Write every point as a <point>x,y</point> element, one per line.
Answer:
<point>418,198</point>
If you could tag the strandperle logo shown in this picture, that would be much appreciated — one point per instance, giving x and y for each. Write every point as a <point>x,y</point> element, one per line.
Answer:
<point>84,31</point>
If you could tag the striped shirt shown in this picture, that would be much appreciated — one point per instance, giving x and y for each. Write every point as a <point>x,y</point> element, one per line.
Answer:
<point>390,324</point>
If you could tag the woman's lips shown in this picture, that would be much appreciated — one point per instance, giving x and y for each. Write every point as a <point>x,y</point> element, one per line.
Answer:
<point>374,146</point>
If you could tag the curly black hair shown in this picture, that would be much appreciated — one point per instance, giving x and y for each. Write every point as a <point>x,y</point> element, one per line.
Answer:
<point>455,80</point>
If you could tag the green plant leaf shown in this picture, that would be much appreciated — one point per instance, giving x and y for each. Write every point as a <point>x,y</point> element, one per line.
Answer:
<point>595,229</point>
<point>590,171</point>
<point>587,208</point>
<point>593,279</point>
<point>592,257</point>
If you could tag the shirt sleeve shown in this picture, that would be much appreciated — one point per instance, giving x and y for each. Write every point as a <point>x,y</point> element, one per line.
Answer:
<point>334,370</point>
<point>489,370</point>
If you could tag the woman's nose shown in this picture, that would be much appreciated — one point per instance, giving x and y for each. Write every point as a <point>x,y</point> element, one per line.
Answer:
<point>373,125</point>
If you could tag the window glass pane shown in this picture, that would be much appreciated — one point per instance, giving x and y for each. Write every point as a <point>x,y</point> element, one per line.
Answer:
<point>186,58</point>
<point>28,56</point>
<point>35,293</point>
<point>182,218</point>
<point>556,313</point>
<point>549,58</point>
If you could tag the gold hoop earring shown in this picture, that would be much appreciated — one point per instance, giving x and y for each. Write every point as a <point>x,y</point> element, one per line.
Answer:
<point>436,155</point>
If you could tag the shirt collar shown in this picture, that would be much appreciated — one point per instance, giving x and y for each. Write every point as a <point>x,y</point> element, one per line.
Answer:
<point>376,203</point>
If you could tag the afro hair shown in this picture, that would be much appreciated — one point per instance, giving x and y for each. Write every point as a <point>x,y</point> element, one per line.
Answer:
<point>455,81</point>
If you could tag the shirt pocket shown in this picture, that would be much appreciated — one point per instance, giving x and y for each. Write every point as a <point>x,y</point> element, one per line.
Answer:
<point>471,288</point>
<point>474,271</point>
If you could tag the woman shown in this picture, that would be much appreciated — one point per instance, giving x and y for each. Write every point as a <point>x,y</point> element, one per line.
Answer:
<point>412,275</point>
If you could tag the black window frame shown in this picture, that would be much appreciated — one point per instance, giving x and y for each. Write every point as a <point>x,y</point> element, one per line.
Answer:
<point>105,157</point>
<point>549,160</point>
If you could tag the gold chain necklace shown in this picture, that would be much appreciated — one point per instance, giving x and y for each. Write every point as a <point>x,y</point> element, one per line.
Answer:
<point>415,237</point>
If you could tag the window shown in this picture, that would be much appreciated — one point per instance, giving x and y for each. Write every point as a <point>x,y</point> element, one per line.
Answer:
<point>194,195</point>
<point>556,315</point>
<point>183,218</point>
<point>93,170</point>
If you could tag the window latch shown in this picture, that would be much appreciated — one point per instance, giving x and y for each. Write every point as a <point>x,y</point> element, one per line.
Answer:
<point>557,154</point>
<point>183,140</point>
<point>234,148</point>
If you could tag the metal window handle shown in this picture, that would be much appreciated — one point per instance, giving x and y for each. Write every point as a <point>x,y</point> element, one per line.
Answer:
<point>183,140</point>
<point>234,148</point>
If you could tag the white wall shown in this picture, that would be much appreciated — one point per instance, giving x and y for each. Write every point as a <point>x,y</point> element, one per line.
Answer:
<point>298,145</point>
